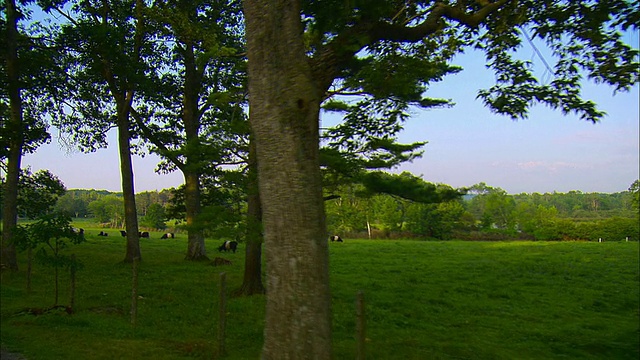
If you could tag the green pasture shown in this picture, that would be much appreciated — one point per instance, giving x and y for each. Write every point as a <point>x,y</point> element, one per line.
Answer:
<point>424,300</point>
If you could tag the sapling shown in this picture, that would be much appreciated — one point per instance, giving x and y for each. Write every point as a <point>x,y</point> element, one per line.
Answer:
<point>52,233</point>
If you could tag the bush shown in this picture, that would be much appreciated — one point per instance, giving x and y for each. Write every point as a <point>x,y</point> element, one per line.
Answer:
<point>555,229</point>
<point>490,235</point>
<point>618,229</point>
<point>613,229</point>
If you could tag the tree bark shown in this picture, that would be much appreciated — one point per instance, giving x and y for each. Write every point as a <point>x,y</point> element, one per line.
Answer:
<point>195,246</point>
<point>14,127</point>
<point>252,282</point>
<point>128,191</point>
<point>191,118</point>
<point>284,111</point>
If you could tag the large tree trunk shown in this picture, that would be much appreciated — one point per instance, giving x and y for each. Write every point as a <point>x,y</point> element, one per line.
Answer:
<point>126,171</point>
<point>14,128</point>
<point>284,110</point>
<point>191,117</point>
<point>195,246</point>
<point>252,282</point>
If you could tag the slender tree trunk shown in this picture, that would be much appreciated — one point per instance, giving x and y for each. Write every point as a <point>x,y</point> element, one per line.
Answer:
<point>123,96</point>
<point>13,127</point>
<point>128,191</point>
<point>252,282</point>
<point>284,111</point>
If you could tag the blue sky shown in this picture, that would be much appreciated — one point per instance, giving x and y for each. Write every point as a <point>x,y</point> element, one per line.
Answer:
<point>546,152</point>
<point>467,144</point>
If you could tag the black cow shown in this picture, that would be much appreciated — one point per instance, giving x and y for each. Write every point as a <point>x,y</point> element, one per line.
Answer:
<point>335,238</point>
<point>168,236</point>
<point>102,233</point>
<point>142,234</point>
<point>229,245</point>
<point>79,231</point>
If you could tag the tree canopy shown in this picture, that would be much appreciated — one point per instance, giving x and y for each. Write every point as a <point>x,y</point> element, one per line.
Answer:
<point>401,47</point>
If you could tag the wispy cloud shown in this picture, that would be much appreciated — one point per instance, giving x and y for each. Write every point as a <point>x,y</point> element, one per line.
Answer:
<point>551,166</point>
<point>598,137</point>
<point>531,165</point>
<point>537,166</point>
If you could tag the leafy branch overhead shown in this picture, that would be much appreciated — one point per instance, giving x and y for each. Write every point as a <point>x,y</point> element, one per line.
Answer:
<point>408,186</point>
<point>386,54</point>
<point>357,45</point>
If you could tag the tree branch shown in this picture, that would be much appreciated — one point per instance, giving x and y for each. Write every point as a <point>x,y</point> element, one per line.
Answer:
<point>163,150</point>
<point>338,52</point>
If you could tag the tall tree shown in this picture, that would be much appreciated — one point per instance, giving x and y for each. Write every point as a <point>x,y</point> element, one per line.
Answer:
<point>14,122</point>
<point>197,99</point>
<point>291,71</point>
<point>107,43</point>
<point>30,91</point>
<point>298,319</point>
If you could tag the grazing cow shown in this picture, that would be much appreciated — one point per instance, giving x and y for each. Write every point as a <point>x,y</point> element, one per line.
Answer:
<point>102,233</point>
<point>229,245</point>
<point>142,234</point>
<point>168,236</point>
<point>335,238</point>
<point>79,231</point>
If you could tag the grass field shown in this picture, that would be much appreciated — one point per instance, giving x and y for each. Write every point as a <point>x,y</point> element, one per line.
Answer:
<point>424,300</point>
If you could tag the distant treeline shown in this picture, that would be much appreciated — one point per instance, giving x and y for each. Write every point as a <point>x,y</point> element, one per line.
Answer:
<point>107,207</point>
<point>485,213</point>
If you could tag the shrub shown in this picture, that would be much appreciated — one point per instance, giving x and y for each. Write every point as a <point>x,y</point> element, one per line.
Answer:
<point>617,229</point>
<point>555,229</point>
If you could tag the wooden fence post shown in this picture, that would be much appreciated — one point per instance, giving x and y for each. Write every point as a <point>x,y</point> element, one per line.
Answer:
<point>222,313</point>
<point>360,326</point>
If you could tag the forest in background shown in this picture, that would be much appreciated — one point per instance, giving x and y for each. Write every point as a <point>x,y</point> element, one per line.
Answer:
<point>484,213</point>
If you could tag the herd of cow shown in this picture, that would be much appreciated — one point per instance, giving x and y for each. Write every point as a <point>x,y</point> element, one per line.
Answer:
<point>142,234</point>
<point>226,246</point>
<point>233,245</point>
